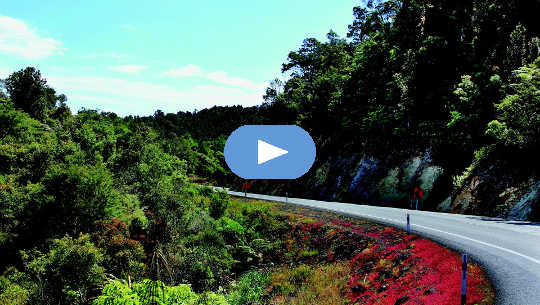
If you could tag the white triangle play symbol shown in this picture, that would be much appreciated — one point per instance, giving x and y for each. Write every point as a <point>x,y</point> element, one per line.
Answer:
<point>267,152</point>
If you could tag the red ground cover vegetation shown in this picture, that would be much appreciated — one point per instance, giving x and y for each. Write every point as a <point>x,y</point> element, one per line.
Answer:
<point>387,265</point>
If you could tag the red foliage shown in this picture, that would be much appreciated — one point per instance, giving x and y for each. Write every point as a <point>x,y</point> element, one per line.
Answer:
<point>429,274</point>
<point>389,266</point>
<point>312,226</point>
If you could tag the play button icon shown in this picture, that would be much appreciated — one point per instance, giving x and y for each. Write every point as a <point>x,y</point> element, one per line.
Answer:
<point>269,152</point>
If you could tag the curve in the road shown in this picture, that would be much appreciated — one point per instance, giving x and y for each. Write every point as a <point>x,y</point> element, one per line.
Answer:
<point>509,251</point>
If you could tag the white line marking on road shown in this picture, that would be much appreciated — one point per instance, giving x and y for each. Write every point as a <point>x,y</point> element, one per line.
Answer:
<point>532,259</point>
<point>485,244</point>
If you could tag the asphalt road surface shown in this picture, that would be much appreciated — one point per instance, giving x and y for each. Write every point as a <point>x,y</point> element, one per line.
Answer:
<point>509,251</point>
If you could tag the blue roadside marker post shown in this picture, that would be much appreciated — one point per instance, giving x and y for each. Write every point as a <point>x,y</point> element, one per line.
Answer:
<point>408,224</point>
<point>464,279</point>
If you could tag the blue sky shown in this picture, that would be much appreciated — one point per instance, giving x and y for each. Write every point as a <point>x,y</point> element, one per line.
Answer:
<point>134,57</point>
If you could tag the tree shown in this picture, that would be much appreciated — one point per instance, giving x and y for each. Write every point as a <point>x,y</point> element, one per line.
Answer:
<point>518,121</point>
<point>96,134</point>
<point>68,200</point>
<point>462,111</point>
<point>376,16</point>
<point>319,71</point>
<point>27,89</point>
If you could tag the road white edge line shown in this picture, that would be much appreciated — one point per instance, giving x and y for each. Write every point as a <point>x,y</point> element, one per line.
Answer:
<point>483,243</point>
<point>461,236</point>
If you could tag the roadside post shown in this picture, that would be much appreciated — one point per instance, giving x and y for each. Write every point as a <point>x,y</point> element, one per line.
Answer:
<point>414,198</point>
<point>418,194</point>
<point>245,186</point>
<point>286,197</point>
<point>408,224</point>
<point>464,279</point>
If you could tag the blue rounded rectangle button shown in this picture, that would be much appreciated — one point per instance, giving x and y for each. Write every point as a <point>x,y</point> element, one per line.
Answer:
<point>269,151</point>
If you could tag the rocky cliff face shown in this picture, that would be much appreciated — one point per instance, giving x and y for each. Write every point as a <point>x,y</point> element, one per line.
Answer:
<point>371,180</point>
<point>492,188</point>
<point>497,190</point>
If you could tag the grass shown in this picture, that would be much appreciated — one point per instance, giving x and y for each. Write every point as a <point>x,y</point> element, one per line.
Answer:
<point>305,285</point>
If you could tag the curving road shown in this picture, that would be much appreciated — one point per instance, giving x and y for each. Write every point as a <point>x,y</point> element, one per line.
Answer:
<point>509,251</point>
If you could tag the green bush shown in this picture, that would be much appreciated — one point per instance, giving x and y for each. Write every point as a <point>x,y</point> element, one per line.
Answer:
<point>249,289</point>
<point>257,218</point>
<point>205,267</point>
<point>16,288</point>
<point>69,200</point>
<point>69,272</point>
<point>146,292</point>
<point>210,298</point>
<point>518,121</point>
<point>232,231</point>
<point>219,203</point>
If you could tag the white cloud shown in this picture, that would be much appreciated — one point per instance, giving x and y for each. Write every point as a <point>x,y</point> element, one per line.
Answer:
<point>16,38</point>
<point>143,98</point>
<point>128,27</point>
<point>222,78</point>
<point>218,76</point>
<point>4,73</point>
<point>189,70</point>
<point>128,68</point>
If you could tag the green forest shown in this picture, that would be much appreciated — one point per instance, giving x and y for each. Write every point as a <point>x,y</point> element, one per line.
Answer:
<point>456,81</point>
<point>101,209</point>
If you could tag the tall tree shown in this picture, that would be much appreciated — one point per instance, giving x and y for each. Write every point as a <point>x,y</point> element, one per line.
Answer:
<point>27,89</point>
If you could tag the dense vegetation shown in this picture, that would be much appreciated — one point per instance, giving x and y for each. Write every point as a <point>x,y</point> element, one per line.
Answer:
<point>458,79</point>
<point>96,211</point>
<point>93,198</point>
<point>93,201</point>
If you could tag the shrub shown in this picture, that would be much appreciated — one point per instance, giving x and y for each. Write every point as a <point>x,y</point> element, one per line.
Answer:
<point>249,289</point>
<point>68,201</point>
<point>257,218</point>
<point>16,288</point>
<point>232,231</point>
<point>518,119</point>
<point>68,273</point>
<point>219,202</point>
<point>117,293</point>
<point>204,267</point>
<point>123,256</point>
<point>127,208</point>
<point>146,292</point>
<point>210,298</point>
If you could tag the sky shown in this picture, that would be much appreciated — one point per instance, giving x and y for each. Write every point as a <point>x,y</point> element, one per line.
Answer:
<point>134,57</point>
